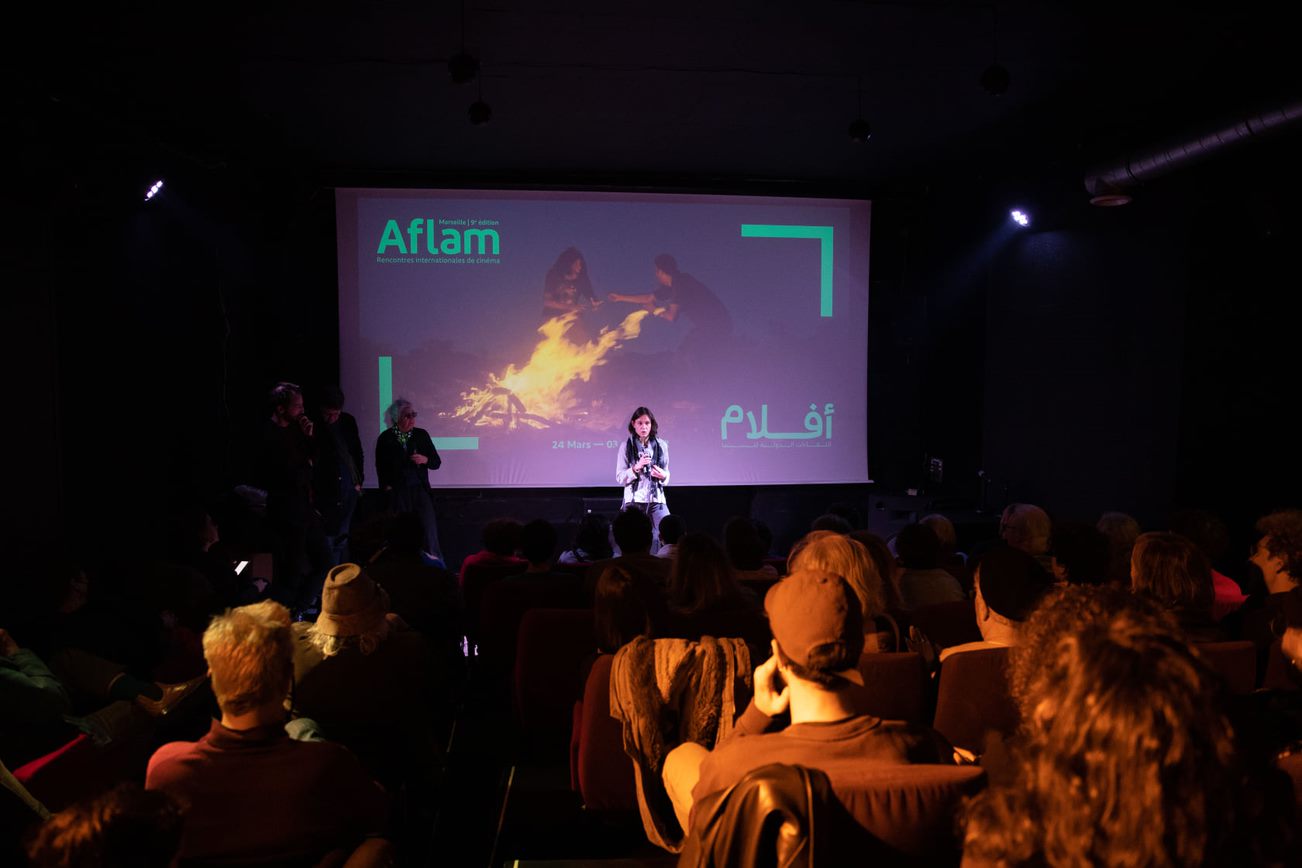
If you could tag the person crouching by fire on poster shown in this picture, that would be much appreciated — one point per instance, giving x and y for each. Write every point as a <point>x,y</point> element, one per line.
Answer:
<point>643,469</point>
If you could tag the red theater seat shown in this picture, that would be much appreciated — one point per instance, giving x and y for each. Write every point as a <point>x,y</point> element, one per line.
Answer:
<point>947,624</point>
<point>974,698</point>
<point>549,654</point>
<point>603,773</point>
<point>895,686</point>
<point>1236,662</point>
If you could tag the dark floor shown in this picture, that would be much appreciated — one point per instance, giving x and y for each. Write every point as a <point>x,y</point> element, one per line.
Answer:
<point>508,804</point>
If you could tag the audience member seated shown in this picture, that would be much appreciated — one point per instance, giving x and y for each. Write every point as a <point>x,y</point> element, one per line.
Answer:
<point>923,582</point>
<point>1278,555</point>
<point>500,539</point>
<point>38,713</point>
<point>424,595</point>
<point>848,511</point>
<point>1212,538</point>
<point>705,598</point>
<point>194,541</point>
<point>626,605</point>
<point>253,793</point>
<point>633,535</point>
<point>368,681</point>
<point>1121,531</point>
<point>812,675</point>
<point>114,616</point>
<point>842,556</point>
<point>1009,585</point>
<point>1080,554</point>
<point>1028,528</point>
<point>1128,758</point>
<point>952,560</point>
<point>591,542</point>
<point>746,551</point>
<point>1171,571</point>
<point>888,567</point>
<point>552,588</point>
<point>672,527</point>
<point>831,522</point>
<point>126,827</point>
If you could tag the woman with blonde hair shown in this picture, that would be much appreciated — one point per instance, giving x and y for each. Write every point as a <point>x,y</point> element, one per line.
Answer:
<point>836,553</point>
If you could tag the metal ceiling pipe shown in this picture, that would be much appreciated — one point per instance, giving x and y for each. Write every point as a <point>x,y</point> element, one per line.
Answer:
<point>1144,165</point>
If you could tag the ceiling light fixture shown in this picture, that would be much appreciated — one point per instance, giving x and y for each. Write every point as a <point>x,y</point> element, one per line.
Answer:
<point>860,130</point>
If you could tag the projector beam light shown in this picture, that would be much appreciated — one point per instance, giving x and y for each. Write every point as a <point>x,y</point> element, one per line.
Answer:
<point>154,190</point>
<point>1021,218</point>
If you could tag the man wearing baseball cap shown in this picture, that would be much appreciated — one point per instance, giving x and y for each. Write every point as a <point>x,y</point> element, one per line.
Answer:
<point>813,674</point>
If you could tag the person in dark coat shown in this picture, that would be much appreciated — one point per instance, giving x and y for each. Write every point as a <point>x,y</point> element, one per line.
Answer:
<point>404,455</point>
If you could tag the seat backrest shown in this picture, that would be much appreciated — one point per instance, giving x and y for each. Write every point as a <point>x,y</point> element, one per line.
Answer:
<point>895,686</point>
<point>947,624</point>
<point>549,653</point>
<point>475,579</point>
<point>1236,662</point>
<point>910,809</point>
<point>604,772</point>
<point>974,698</point>
<point>501,609</point>
<point>1279,674</point>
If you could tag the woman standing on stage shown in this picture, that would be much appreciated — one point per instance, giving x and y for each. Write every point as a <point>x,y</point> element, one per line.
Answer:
<point>643,469</point>
<point>404,456</point>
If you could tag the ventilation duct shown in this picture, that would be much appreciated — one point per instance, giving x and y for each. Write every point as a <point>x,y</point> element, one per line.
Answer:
<point>1108,184</point>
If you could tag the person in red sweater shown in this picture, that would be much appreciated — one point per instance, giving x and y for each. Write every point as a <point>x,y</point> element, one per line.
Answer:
<point>813,675</point>
<point>252,792</point>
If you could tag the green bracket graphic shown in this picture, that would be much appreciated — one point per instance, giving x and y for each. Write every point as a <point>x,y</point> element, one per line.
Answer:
<point>824,236</point>
<point>444,444</point>
<point>455,444</point>
<point>386,387</point>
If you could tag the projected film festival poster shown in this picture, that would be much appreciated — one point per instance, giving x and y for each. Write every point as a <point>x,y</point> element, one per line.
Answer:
<point>525,327</point>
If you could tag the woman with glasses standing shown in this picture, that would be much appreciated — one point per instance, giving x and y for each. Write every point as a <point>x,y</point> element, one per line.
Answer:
<point>404,455</point>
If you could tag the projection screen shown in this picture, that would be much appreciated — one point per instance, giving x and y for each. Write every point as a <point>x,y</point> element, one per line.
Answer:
<point>526,326</point>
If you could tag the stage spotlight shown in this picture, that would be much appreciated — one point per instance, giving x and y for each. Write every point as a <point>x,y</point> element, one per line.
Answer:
<point>480,113</point>
<point>1021,218</point>
<point>860,131</point>
<point>154,190</point>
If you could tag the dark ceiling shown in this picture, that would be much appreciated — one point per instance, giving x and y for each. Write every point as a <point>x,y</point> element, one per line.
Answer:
<point>642,92</point>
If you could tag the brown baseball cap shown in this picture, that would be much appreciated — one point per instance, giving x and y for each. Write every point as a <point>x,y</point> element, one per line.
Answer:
<point>816,619</point>
<point>351,602</point>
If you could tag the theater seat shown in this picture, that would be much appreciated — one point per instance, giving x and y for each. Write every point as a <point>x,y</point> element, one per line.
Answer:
<point>947,624</point>
<point>911,810</point>
<point>549,654</point>
<point>603,773</point>
<point>974,699</point>
<point>895,686</point>
<point>475,579</point>
<point>1280,674</point>
<point>1236,662</point>
<point>888,814</point>
<point>501,610</point>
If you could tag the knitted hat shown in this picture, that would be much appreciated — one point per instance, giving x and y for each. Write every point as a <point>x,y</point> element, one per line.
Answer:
<point>351,602</point>
<point>1012,582</point>
<point>816,619</point>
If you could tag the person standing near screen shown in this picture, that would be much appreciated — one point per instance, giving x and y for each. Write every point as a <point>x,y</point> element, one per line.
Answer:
<point>404,456</point>
<point>643,469</point>
<point>567,288</point>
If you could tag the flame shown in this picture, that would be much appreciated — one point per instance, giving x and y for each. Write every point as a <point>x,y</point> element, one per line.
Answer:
<point>538,394</point>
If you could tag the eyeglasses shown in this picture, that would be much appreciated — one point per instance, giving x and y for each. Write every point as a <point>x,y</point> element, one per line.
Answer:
<point>411,415</point>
